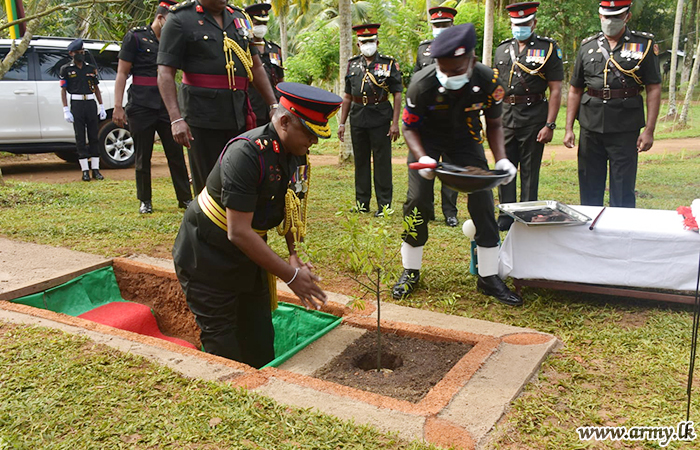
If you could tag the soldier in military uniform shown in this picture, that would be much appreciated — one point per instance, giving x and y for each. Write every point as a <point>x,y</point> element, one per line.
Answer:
<point>441,116</point>
<point>226,269</point>
<point>370,80</point>
<point>613,67</point>
<point>527,65</point>
<point>79,80</point>
<point>270,55</point>
<point>209,41</point>
<point>146,111</point>
<point>441,17</point>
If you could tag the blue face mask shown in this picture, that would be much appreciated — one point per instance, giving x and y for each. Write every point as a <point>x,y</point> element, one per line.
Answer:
<point>451,83</point>
<point>521,33</point>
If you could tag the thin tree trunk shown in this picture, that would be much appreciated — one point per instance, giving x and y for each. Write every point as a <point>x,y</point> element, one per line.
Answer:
<point>672,108</point>
<point>283,34</point>
<point>488,33</point>
<point>345,24</point>
<point>683,118</point>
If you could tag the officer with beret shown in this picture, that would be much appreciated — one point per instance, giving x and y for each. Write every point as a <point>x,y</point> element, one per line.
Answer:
<point>270,56</point>
<point>612,69</point>
<point>370,80</point>
<point>440,101</point>
<point>210,42</point>
<point>441,17</point>
<point>79,80</point>
<point>226,269</point>
<point>146,111</point>
<point>527,65</point>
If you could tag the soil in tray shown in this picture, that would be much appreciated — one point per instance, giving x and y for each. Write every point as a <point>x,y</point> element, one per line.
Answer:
<point>411,366</point>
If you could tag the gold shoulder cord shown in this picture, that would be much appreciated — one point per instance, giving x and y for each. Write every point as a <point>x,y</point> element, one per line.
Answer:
<point>527,69</point>
<point>630,73</point>
<point>230,47</point>
<point>371,77</point>
<point>295,210</point>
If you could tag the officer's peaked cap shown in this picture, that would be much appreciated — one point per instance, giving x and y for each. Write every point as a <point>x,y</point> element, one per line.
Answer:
<point>454,41</point>
<point>614,7</point>
<point>366,31</point>
<point>312,105</point>
<point>259,11</point>
<point>441,14</point>
<point>75,45</point>
<point>522,12</point>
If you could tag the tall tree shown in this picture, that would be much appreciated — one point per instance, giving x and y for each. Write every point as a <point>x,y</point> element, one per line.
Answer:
<point>683,118</point>
<point>345,52</point>
<point>488,33</point>
<point>672,109</point>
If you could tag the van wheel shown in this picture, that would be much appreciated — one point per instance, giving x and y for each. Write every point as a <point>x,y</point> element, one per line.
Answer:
<point>68,156</point>
<point>116,146</point>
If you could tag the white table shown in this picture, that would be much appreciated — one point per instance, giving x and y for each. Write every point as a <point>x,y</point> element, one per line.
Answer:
<point>632,248</point>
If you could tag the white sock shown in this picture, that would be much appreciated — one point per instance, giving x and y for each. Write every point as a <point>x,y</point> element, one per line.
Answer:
<point>488,260</point>
<point>83,164</point>
<point>412,257</point>
<point>95,162</point>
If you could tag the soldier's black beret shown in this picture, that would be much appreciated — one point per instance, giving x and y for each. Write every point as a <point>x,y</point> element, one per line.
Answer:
<point>454,41</point>
<point>312,105</point>
<point>75,45</point>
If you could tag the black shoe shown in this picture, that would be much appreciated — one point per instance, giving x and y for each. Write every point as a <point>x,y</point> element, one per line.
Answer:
<point>146,208</point>
<point>184,205</point>
<point>495,287</point>
<point>451,221</point>
<point>97,175</point>
<point>86,175</point>
<point>406,284</point>
<point>355,209</point>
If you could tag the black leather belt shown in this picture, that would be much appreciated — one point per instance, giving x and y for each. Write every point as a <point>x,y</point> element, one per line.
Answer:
<point>607,93</point>
<point>519,99</point>
<point>369,99</point>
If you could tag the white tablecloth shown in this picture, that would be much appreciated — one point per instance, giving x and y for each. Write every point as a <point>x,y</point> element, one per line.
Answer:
<point>641,248</point>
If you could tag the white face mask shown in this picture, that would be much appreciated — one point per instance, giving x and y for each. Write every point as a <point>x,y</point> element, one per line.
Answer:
<point>259,31</point>
<point>612,27</point>
<point>437,31</point>
<point>452,83</point>
<point>368,49</point>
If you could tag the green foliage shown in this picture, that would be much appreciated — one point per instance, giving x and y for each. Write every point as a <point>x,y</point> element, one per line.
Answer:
<point>473,12</point>
<point>317,60</point>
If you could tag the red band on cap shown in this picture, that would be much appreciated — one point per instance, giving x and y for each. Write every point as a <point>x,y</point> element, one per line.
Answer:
<point>615,3</point>
<point>305,113</point>
<point>367,31</point>
<point>523,12</point>
<point>441,15</point>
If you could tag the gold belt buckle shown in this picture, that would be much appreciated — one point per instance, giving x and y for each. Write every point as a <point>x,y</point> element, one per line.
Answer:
<point>511,99</point>
<point>606,93</point>
<point>364,100</point>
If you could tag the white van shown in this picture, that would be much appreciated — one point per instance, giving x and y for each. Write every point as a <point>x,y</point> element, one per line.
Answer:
<point>31,112</point>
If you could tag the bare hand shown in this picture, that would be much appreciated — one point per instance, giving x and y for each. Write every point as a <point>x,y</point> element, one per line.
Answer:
<point>119,116</point>
<point>569,139</point>
<point>181,133</point>
<point>341,133</point>
<point>645,141</point>
<point>545,135</point>
<point>304,286</point>
<point>394,132</point>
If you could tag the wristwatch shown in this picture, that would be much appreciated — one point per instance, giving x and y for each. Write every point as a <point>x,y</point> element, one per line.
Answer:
<point>551,125</point>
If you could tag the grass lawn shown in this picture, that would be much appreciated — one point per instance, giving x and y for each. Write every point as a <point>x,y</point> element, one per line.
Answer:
<point>624,362</point>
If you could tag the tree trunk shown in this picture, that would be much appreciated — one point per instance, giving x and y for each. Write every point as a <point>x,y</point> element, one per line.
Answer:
<point>283,34</point>
<point>488,33</point>
<point>683,119</point>
<point>672,109</point>
<point>345,25</point>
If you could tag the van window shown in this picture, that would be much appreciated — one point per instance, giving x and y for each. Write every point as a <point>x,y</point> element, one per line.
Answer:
<point>51,62</point>
<point>19,70</point>
<point>107,62</point>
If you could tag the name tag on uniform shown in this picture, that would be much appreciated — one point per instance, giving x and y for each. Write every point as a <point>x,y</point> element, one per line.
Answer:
<point>632,51</point>
<point>474,107</point>
<point>535,56</point>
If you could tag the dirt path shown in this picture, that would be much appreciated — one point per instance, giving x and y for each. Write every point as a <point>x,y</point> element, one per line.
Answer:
<point>48,168</point>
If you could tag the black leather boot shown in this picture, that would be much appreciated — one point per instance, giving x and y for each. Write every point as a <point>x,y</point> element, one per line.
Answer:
<point>97,175</point>
<point>495,287</point>
<point>145,208</point>
<point>406,284</point>
<point>86,175</point>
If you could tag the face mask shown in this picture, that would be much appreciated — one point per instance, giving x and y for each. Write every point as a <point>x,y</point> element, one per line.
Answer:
<point>522,33</point>
<point>79,57</point>
<point>259,31</point>
<point>368,49</point>
<point>452,83</point>
<point>612,27</point>
<point>437,31</point>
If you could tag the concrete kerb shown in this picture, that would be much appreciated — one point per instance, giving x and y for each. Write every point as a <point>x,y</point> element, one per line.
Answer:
<point>459,411</point>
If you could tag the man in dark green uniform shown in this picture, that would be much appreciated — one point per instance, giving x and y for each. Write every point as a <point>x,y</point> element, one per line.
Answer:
<point>270,56</point>
<point>614,67</point>
<point>146,111</point>
<point>441,17</point>
<point>221,257</point>
<point>79,80</point>
<point>527,65</point>
<point>370,80</point>
<point>441,116</point>
<point>209,41</point>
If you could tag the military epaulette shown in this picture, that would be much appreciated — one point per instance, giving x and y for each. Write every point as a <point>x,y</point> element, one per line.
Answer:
<point>546,38</point>
<point>354,57</point>
<point>386,57</point>
<point>144,28</point>
<point>504,41</point>
<point>427,41</point>
<point>273,43</point>
<point>182,5</point>
<point>236,7</point>
<point>643,34</point>
<point>590,38</point>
